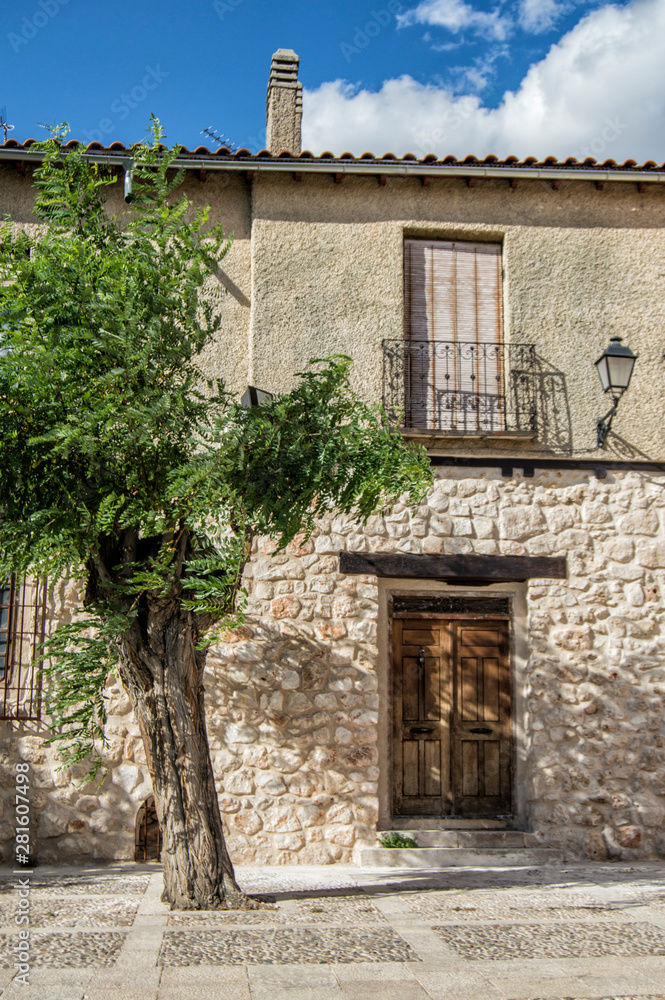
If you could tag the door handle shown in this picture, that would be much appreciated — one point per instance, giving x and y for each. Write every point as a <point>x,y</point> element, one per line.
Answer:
<point>422,729</point>
<point>481,730</point>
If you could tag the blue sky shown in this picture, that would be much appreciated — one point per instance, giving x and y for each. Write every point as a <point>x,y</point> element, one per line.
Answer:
<point>445,75</point>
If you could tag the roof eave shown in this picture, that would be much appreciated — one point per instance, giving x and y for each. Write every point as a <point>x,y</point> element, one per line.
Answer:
<point>387,168</point>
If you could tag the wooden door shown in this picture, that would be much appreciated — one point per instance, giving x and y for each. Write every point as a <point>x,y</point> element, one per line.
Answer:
<point>451,717</point>
<point>481,719</point>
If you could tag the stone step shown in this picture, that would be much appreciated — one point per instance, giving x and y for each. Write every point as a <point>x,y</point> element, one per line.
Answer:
<point>479,839</point>
<point>454,823</point>
<point>456,857</point>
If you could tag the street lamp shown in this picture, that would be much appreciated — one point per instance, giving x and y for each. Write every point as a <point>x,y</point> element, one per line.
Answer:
<point>254,397</point>
<point>615,367</point>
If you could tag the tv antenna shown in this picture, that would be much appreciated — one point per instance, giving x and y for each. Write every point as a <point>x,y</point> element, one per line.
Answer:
<point>221,140</point>
<point>3,122</point>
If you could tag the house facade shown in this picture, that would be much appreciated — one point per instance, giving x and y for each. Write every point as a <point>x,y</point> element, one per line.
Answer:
<point>493,660</point>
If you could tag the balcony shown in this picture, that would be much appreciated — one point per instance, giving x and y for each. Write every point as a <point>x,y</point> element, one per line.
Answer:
<point>442,389</point>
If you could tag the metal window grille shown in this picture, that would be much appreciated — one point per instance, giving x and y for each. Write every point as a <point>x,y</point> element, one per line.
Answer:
<point>22,628</point>
<point>466,388</point>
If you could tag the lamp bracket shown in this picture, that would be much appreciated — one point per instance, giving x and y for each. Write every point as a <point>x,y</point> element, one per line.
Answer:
<point>604,424</point>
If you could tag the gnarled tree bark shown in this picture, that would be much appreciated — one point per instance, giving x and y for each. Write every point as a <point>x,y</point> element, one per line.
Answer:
<point>162,672</point>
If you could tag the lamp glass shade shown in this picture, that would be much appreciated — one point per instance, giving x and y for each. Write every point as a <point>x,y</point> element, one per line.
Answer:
<point>615,367</point>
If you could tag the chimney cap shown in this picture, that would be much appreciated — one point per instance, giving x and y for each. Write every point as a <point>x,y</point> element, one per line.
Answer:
<point>286,55</point>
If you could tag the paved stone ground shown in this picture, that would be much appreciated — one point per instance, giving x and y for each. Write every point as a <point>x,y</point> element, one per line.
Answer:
<point>341,933</point>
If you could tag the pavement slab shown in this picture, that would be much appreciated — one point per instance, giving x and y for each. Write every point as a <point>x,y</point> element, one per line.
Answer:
<point>556,932</point>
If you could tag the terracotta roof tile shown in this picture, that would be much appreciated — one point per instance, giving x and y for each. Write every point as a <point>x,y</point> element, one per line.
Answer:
<point>224,152</point>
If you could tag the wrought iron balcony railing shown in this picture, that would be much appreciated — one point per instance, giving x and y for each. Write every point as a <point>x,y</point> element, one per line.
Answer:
<point>460,387</point>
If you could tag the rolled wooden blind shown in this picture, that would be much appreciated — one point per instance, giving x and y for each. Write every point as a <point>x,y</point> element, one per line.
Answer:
<point>453,291</point>
<point>454,325</point>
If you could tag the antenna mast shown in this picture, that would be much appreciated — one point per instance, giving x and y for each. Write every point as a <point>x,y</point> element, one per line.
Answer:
<point>221,139</point>
<point>3,122</point>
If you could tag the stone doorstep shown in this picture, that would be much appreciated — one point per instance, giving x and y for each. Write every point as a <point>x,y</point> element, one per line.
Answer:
<point>410,823</point>
<point>475,839</point>
<point>456,857</point>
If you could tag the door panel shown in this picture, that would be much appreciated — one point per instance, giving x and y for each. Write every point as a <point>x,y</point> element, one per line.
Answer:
<point>451,718</point>
<point>421,717</point>
<point>481,748</point>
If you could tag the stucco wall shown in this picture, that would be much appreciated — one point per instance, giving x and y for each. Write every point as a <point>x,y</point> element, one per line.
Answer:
<point>229,198</point>
<point>317,268</point>
<point>580,264</point>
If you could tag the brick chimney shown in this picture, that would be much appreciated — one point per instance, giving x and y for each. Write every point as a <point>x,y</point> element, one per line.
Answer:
<point>284,104</point>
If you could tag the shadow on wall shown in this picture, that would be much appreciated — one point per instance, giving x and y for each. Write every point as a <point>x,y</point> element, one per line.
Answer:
<point>292,725</point>
<point>622,449</point>
<point>553,413</point>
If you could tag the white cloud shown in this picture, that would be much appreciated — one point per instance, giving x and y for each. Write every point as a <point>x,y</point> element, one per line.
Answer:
<point>477,76</point>
<point>456,16</point>
<point>599,91</point>
<point>540,15</point>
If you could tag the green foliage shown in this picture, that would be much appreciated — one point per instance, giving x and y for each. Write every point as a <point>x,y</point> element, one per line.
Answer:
<point>120,463</point>
<point>395,839</point>
<point>81,655</point>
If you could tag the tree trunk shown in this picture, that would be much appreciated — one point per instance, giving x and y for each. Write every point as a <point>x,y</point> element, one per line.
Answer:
<point>162,672</point>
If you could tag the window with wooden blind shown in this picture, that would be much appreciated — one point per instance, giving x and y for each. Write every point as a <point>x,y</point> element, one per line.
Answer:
<point>454,333</point>
<point>22,626</point>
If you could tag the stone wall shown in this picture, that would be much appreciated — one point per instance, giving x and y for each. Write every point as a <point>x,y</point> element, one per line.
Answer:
<point>297,728</point>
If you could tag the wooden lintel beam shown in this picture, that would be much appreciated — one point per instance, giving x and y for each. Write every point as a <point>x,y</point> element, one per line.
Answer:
<point>556,185</point>
<point>383,180</point>
<point>425,181</point>
<point>339,178</point>
<point>203,175</point>
<point>454,568</point>
<point>514,182</point>
<point>599,185</point>
<point>471,182</point>
<point>297,175</point>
